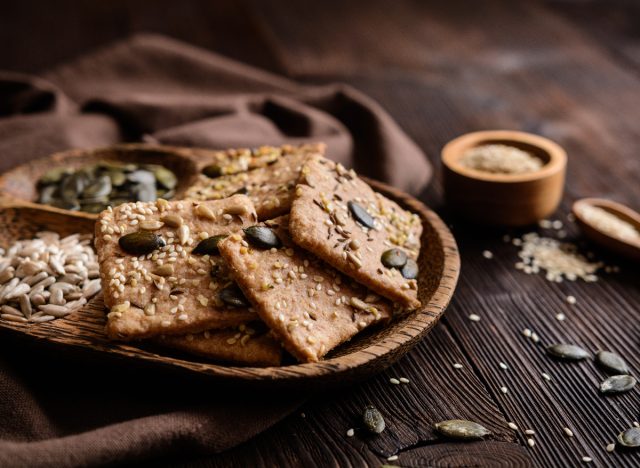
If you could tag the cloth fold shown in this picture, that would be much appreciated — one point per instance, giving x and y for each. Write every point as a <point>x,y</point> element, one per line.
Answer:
<point>58,411</point>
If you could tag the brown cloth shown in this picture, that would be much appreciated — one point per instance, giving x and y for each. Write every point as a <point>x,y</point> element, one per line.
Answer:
<point>58,411</point>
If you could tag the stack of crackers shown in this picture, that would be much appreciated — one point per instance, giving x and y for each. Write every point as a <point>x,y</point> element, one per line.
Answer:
<point>274,252</point>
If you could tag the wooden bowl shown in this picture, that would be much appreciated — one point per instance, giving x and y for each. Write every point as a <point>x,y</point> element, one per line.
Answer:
<point>366,354</point>
<point>628,249</point>
<point>504,199</point>
<point>20,183</point>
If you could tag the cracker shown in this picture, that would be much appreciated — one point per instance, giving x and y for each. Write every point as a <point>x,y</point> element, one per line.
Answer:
<point>243,345</point>
<point>147,301</point>
<point>308,305</point>
<point>322,222</point>
<point>270,187</point>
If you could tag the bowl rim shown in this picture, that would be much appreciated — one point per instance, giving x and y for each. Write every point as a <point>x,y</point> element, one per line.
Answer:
<point>454,149</point>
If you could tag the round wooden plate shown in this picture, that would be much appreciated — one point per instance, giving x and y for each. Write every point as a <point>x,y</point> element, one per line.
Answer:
<point>367,354</point>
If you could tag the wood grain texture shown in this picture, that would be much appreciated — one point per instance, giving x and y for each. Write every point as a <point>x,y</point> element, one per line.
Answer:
<point>363,356</point>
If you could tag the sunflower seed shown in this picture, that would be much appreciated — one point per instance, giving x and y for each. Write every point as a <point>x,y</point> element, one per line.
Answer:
<point>151,225</point>
<point>13,318</point>
<point>630,438</point>
<point>393,258</point>
<point>55,310</point>
<point>263,237</point>
<point>42,318</point>
<point>209,246</point>
<point>361,215</point>
<point>183,234</point>
<point>568,352</point>
<point>172,220</point>
<point>164,270</point>
<point>25,305</point>
<point>141,243</point>
<point>8,310</point>
<point>611,363</point>
<point>461,429</point>
<point>618,384</point>
<point>373,420</point>
<point>205,212</point>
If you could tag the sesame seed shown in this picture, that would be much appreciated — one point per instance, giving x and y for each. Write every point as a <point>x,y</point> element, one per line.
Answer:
<point>487,254</point>
<point>392,458</point>
<point>530,432</point>
<point>561,317</point>
<point>504,389</point>
<point>513,426</point>
<point>587,459</point>
<point>568,432</point>
<point>571,299</point>
<point>350,433</point>
<point>503,366</point>
<point>458,366</point>
<point>474,317</point>
<point>526,332</point>
<point>394,381</point>
<point>611,447</point>
<point>404,380</point>
<point>546,376</point>
<point>531,442</point>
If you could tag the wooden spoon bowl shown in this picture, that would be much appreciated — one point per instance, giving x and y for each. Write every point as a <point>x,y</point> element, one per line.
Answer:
<point>20,183</point>
<point>627,248</point>
<point>365,355</point>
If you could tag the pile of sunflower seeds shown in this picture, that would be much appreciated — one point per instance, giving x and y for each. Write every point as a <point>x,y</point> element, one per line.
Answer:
<point>93,188</point>
<point>47,277</point>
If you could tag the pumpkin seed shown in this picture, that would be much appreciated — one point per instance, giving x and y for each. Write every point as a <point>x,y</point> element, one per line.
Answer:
<point>630,438</point>
<point>233,296</point>
<point>100,187</point>
<point>141,242</point>
<point>394,258</point>
<point>53,176</point>
<point>208,246</point>
<point>461,429</point>
<point>568,352</point>
<point>66,205</point>
<point>618,384</point>
<point>212,170</point>
<point>145,192</point>
<point>93,207</point>
<point>117,177</point>
<point>165,177</point>
<point>47,194</point>
<point>410,269</point>
<point>373,420</point>
<point>360,214</point>
<point>263,237</point>
<point>205,212</point>
<point>611,363</point>
<point>143,177</point>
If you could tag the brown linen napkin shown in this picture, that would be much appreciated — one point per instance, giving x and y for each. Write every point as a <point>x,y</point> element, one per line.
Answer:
<point>55,411</point>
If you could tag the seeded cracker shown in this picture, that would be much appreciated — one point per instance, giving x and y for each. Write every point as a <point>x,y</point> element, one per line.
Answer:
<point>328,200</point>
<point>308,305</point>
<point>165,288</point>
<point>270,187</point>
<point>243,345</point>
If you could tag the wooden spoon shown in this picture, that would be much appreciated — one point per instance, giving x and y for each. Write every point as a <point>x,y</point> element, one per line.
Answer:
<point>629,248</point>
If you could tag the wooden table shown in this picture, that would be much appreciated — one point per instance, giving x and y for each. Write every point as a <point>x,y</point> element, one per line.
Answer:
<point>569,71</point>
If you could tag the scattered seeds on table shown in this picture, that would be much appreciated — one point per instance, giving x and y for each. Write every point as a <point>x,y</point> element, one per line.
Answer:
<point>568,352</point>
<point>373,420</point>
<point>618,384</point>
<point>630,438</point>
<point>461,429</point>
<point>474,317</point>
<point>611,363</point>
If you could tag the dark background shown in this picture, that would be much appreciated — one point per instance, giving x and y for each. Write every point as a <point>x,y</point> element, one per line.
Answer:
<point>569,70</point>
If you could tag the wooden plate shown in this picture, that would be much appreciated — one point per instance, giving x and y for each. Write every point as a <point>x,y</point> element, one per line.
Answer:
<point>365,355</point>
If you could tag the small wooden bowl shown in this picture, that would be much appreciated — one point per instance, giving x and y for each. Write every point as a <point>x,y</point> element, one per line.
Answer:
<point>365,355</point>
<point>504,199</point>
<point>628,249</point>
<point>20,183</point>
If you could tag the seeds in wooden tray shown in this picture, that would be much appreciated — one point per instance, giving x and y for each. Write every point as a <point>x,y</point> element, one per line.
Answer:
<point>560,260</point>
<point>500,159</point>
<point>233,296</point>
<point>93,188</point>
<point>410,269</point>
<point>209,246</point>
<point>262,237</point>
<point>461,429</point>
<point>611,363</point>
<point>393,258</point>
<point>373,420</point>
<point>618,384</point>
<point>361,215</point>
<point>630,438</point>
<point>609,223</point>
<point>568,352</point>
<point>141,243</point>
